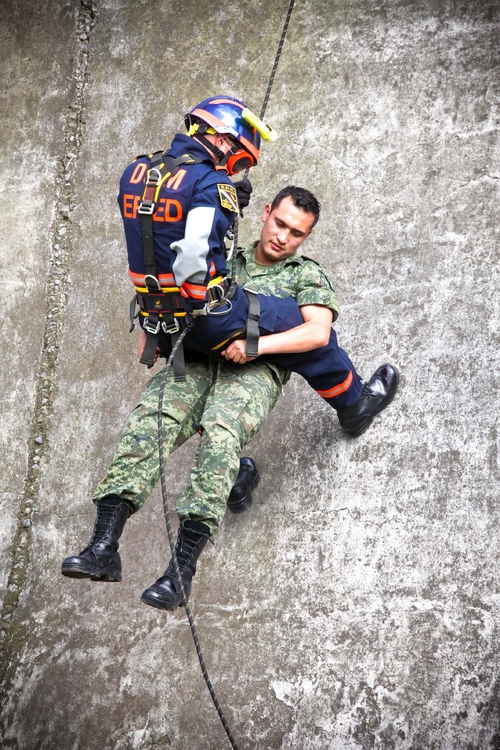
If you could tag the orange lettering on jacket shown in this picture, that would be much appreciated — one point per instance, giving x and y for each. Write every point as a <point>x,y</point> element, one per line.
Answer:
<point>138,174</point>
<point>130,205</point>
<point>168,209</point>
<point>176,180</point>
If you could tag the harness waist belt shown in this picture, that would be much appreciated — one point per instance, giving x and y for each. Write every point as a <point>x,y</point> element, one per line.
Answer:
<point>164,300</point>
<point>161,302</point>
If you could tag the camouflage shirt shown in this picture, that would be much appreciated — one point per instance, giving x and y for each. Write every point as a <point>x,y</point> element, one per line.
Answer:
<point>297,276</point>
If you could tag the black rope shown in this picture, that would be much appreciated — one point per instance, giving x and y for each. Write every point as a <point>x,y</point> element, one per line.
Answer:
<point>171,538</point>
<point>262,115</point>
<point>160,427</point>
<point>234,231</point>
<point>276,60</point>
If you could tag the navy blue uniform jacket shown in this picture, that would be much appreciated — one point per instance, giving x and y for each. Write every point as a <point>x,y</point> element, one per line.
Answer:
<point>189,224</point>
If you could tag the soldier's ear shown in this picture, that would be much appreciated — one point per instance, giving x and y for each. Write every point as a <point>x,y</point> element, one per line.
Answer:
<point>266,212</point>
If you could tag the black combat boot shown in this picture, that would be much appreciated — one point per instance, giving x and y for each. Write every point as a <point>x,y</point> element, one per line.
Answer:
<point>375,396</point>
<point>240,498</point>
<point>100,559</point>
<point>165,593</point>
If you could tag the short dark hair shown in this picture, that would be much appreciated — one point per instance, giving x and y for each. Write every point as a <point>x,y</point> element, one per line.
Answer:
<point>301,198</point>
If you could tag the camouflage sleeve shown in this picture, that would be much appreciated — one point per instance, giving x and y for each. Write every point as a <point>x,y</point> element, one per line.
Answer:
<point>315,288</point>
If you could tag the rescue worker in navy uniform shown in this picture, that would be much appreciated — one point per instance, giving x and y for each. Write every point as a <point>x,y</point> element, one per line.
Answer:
<point>190,206</point>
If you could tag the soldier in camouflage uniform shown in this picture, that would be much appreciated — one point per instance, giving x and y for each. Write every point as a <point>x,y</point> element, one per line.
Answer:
<point>229,412</point>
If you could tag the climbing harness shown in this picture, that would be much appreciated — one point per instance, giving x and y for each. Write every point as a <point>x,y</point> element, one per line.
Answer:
<point>253,322</point>
<point>160,301</point>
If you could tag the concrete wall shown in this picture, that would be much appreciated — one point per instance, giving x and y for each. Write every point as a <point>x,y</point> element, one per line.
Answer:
<point>356,605</point>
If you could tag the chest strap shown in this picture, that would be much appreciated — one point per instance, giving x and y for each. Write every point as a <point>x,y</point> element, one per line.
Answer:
<point>161,167</point>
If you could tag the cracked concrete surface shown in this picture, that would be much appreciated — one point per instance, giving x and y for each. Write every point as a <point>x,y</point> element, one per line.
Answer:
<point>356,605</point>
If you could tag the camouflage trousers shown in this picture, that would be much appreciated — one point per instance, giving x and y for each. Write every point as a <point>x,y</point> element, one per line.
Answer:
<point>229,412</point>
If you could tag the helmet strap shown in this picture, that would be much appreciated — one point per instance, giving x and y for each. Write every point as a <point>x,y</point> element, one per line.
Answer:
<point>210,146</point>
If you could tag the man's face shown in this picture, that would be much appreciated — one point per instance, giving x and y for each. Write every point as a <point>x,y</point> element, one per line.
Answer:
<point>285,229</point>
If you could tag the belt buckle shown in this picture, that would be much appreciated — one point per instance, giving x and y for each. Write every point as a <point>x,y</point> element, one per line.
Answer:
<point>146,208</point>
<point>198,312</point>
<point>216,294</point>
<point>171,328</point>
<point>150,328</point>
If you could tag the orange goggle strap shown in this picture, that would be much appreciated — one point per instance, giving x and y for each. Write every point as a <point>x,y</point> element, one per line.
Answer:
<point>237,159</point>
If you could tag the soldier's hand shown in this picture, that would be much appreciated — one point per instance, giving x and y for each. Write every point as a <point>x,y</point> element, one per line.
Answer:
<point>237,352</point>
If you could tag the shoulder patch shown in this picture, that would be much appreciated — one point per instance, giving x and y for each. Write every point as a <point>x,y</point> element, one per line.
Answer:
<point>228,197</point>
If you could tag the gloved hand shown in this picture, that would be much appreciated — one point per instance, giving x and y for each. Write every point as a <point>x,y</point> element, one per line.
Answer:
<point>243,191</point>
<point>195,296</point>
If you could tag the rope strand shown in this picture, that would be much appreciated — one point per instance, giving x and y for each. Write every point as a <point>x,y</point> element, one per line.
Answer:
<point>276,60</point>
<point>171,538</point>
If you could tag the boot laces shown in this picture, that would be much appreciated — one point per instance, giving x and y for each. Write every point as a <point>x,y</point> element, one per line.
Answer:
<point>366,391</point>
<point>105,515</point>
<point>188,541</point>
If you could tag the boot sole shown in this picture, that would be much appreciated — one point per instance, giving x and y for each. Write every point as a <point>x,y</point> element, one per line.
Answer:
<point>106,576</point>
<point>158,604</point>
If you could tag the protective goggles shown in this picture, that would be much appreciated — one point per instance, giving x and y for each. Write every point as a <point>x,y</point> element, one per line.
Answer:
<point>237,159</point>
